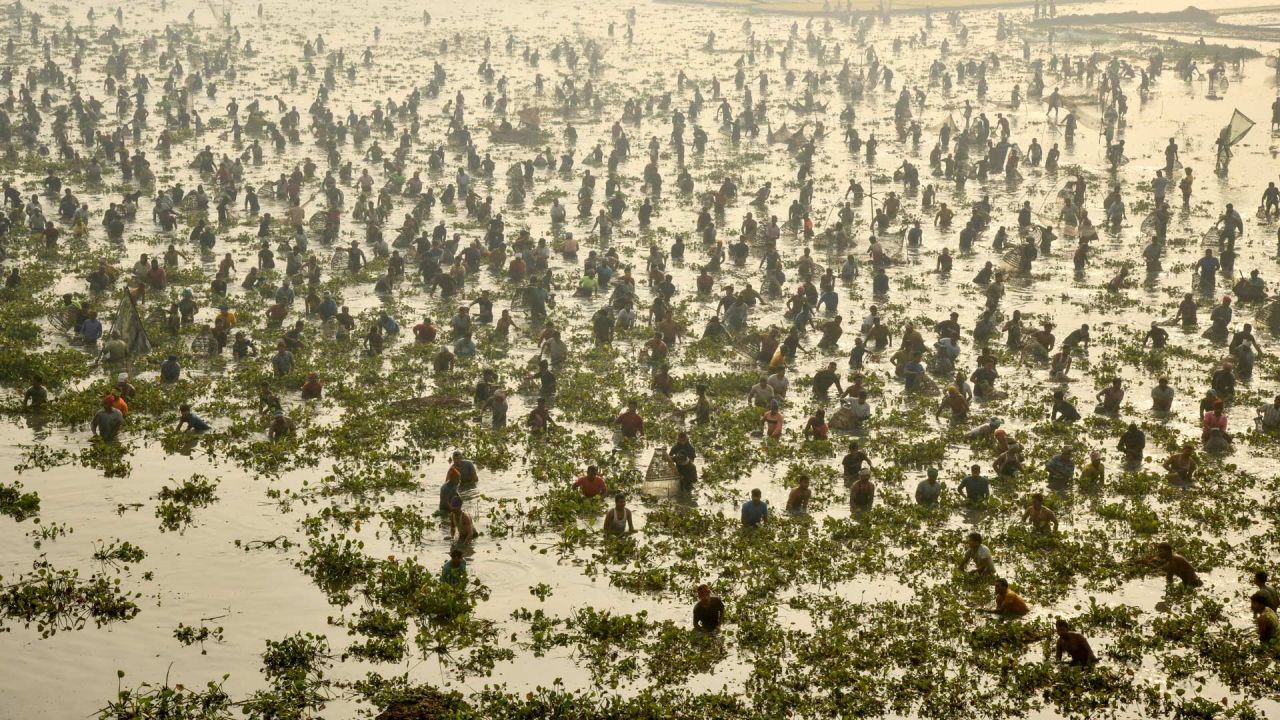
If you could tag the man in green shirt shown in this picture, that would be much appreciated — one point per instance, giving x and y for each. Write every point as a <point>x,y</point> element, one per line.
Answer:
<point>114,349</point>
<point>455,571</point>
<point>36,396</point>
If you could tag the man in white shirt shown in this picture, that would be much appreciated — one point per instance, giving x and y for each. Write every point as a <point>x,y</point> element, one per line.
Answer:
<point>860,408</point>
<point>870,320</point>
<point>980,554</point>
<point>1269,416</point>
<point>779,382</point>
<point>761,394</point>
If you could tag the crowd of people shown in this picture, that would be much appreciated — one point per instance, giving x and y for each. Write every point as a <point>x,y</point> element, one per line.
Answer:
<point>422,212</point>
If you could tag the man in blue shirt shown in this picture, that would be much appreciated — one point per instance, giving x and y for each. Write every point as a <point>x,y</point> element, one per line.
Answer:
<point>975,488</point>
<point>449,491</point>
<point>192,421</point>
<point>929,489</point>
<point>282,361</point>
<point>912,371</point>
<point>170,370</point>
<point>1208,265</point>
<point>460,323</point>
<point>880,282</point>
<point>754,511</point>
<point>328,307</point>
<point>1061,467</point>
<point>91,328</point>
<point>849,270</point>
<point>829,300</point>
<point>465,347</point>
<point>464,469</point>
<point>106,423</point>
<point>284,294</point>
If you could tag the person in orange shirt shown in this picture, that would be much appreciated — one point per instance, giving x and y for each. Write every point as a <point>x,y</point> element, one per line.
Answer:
<point>1008,603</point>
<point>118,403</point>
<point>817,427</point>
<point>592,484</point>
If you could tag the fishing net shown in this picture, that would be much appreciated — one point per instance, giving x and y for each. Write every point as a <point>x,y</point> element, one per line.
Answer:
<point>1269,316</point>
<point>784,134</point>
<point>660,469</point>
<point>1083,107</point>
<point>925,386</point>
<point>893,243</point>
<point>204,345</point>
<point>1149,224</point>
<point>843,419</point>
<point>1050,207</point>
<point>661,478</point>
<point>63,318</point>
<point>130,327</point>
<point>949,122</point>
<point>1247,292</point>
<point>1011,260</point>
<point>1238,127</point>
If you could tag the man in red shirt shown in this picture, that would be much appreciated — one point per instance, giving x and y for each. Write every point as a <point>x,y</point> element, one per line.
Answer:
<point>630,421</point>
<point>425,331</point>
<point>592,484</point>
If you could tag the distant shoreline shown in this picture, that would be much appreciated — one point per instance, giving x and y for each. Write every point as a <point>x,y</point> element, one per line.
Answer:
<point>813,8</point>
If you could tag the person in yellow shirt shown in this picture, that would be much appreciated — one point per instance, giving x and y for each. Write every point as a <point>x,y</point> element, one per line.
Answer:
<point>1265,620</point>
<point>226,317</point>
<point>1093,474</point>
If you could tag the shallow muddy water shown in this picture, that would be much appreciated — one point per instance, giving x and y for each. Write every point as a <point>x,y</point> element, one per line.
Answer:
<point>262,594</point>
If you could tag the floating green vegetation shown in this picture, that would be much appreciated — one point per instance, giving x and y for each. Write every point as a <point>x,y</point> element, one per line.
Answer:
<point>188,635</point>
<point>175,504</point>
<point>17,504</point>
<point>56,600</point>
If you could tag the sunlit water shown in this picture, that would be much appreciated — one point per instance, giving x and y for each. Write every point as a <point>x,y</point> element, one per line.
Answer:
<point>202,574</point>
